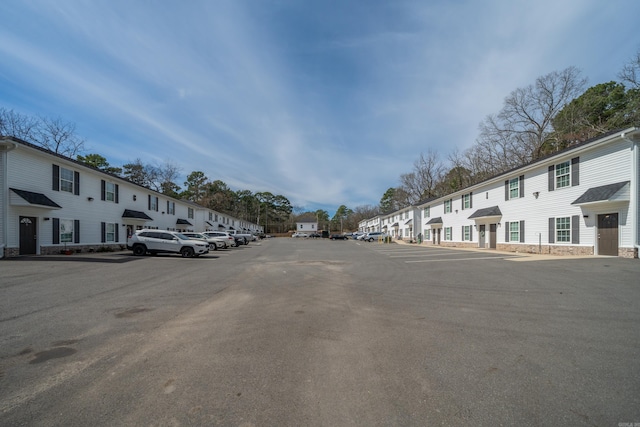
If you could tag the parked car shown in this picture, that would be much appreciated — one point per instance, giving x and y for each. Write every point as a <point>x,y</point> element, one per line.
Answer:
<point>338,237</point>
<point>162,241</point>
<point>299,235</point>
<point>214,243</point>
<point>356,234</point>
<point>228,239</point>
<point>374,235</point>
<point>315,235</point>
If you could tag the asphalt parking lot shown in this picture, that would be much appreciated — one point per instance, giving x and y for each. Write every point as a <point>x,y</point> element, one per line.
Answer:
<point>314,332</point>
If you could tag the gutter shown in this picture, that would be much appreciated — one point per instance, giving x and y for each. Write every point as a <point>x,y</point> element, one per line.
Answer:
<point>633,137</point>
<point>6,145</point>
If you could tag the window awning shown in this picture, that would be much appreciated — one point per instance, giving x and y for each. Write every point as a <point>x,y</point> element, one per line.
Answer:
<point>433,221</point>
<point>209,223</point>
<point>618,192</point>
<point>136,215</point>
<point>409,222</point>
<point>221,226</point>
<point>231,228</point>
<point>487,213</point>
<point>395,224</point>
<point>31,199</point>
<point>183,222</point>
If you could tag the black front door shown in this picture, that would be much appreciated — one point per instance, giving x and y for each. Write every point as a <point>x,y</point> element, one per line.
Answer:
<point>28,235</point>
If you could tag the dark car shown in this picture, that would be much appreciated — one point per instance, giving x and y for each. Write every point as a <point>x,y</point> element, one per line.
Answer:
<point>314,235</point>
<point>338,237</point>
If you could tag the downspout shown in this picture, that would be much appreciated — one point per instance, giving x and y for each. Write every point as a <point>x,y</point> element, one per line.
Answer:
<point>6,145</point>
<point>632,138</point>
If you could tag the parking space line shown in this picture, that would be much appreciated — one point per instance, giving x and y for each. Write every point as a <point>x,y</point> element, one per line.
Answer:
<point>465,259</point>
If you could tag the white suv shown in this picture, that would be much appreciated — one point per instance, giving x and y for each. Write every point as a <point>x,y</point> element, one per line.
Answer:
<point>162,241</point>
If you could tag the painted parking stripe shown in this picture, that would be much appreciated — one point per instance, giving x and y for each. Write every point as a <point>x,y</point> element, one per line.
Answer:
<point>464,259</point>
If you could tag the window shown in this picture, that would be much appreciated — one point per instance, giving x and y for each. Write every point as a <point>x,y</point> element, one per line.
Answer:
<point>466,201</point>
<point>66,231</point>
<point>216,217</point>
<point>171,208</point>
<point>66,180</point>
<point>447,233</point>
<point>447,206</point>
<point>427,234</point>
<point>514,188</point>
<point>563,230</point>
<point>153,203</point>
<point>190,213</point>
<point>110,232</point>
<point>427,212</point>
<point>563,177</point>
<point>514,231</point>
<point>466,230</point>
<point>210,216</point>
<point>110,192</point>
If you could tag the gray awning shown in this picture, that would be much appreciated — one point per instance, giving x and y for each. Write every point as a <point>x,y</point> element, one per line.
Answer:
<point>29,198</point>
<point>618,192</point>
<point>409,222</point>
<point>492,212</point>
<point>437,220</point>
<point>221,226</point>
<point>137,215</point>
<point>183,222</point>
<point>209,223</point>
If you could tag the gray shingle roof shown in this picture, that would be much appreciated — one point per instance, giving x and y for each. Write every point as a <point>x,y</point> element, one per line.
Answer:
<point>129,213</point>
<point>599,194</point>
<point>36,198</point>
<point>482,213</point>
<point>437,220</point>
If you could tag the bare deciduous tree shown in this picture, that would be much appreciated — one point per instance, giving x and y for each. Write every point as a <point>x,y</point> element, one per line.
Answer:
<point>516,135</point>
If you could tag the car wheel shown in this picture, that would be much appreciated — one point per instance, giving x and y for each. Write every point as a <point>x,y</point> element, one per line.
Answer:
<point>139,250</point>
<point>371,240</point>
<point>187,252</point>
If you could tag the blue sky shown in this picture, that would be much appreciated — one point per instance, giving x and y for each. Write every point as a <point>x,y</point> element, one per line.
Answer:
<point>325,102</point>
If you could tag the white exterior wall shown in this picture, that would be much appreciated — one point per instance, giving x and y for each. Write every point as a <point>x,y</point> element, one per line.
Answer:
<point>30,169</point>
<point>307,227</point>
<point>600,164</point>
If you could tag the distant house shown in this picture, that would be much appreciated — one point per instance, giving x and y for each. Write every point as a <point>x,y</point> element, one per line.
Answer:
<point>307,227</point>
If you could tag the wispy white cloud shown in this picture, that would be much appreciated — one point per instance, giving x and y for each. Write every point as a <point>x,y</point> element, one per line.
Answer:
<point>325,104</point>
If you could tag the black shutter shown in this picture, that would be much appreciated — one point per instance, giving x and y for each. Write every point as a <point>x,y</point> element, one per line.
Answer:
<point>103,189</point>
<point>471,233</point>
<point>117,193</point>
<point>552,230</point>
<point>103,231</point>
<point>117,234</point>
<point>168,211</point>
<point>76,231</point>
<point>575,171</point>
<point>471,200</point>
<point>575,229</point>
<point>76,183</point>
<point>157,204</point>
<point>56,231</point>
<point>462,235</point>
<point>506,190</point>
<point>522,231</point>
<point>55,179</point>
<point>552,173</point>
<point>149,204</point>
<point>506,231</point>
<point>521,185</point>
